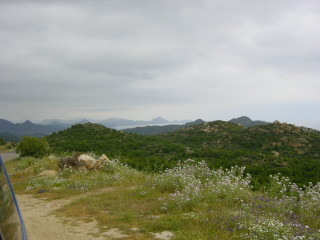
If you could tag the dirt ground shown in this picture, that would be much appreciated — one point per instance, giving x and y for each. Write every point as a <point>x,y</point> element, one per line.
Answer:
<point>42,224</point>
<point>9,155</point>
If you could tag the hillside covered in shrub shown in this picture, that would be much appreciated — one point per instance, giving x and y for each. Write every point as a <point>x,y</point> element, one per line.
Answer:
<point>263,150</point>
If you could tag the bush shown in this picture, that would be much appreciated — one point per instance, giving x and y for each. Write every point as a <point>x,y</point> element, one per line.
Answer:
<point>2,142</point>
<point>33,147</point>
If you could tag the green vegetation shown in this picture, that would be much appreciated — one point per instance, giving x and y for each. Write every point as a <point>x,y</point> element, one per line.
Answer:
<point>6,146</point>
<point>260,182</point>
<point>190,200</point>
<point>263,150</point>
<point>9,137</point>
<point>2,142</point>
<point>33,147</point>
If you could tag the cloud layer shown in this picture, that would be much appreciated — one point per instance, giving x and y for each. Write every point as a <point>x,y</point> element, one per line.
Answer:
<point>176,59</point>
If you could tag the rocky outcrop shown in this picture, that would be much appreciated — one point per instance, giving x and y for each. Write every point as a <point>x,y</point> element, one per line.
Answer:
<point>83,161</point>
<point>102,160</point>
<point>86,161</point>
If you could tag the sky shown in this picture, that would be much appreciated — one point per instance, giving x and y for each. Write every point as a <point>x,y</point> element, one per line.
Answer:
<point>178,59</point>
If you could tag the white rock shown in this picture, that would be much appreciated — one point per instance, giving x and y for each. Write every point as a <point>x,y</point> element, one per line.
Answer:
<point>104,158</point>
<point>87,160</point>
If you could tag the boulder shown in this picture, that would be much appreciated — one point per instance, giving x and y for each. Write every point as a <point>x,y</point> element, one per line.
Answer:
<point>103,159</point>
<point>83,161</point>
<point>86,161</point>
<point>48,173</point>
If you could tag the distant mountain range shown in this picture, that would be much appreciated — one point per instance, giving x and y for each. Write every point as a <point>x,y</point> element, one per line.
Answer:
<point>118,123</point>
<point>14,131</point>
<point>155,130</point>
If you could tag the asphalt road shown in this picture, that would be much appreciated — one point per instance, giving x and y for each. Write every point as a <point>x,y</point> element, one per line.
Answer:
<point>9,155</point>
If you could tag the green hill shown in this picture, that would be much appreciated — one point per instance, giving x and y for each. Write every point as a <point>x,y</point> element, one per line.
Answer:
<point>143,152</point>
<point>263,149</point>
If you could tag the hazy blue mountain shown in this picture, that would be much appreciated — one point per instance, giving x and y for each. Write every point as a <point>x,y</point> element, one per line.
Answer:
<point>14,131</point>
<point>159,120</point>
<point>27,128</point>
<point>155,130</point>
<point>247,122</point>
<point>156,126</point>
<point>61,122</point>
<point>120,122</point>
<point>83,121</point>
<point>5,125</point>
<point>54,122</point>
<point>115,122</point>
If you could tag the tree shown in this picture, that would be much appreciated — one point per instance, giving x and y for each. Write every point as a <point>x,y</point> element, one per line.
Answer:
<point>33,147</point>
<point>2,142</point>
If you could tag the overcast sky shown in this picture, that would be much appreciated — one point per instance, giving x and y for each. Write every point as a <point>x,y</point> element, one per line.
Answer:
<point>178,59</point>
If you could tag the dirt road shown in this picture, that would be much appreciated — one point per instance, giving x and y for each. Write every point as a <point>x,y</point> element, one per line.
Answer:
<point>42,224</point>
<point>9,155</point>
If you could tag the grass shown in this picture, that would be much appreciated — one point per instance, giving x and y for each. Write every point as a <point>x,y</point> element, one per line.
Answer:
<point>190,200</point>
<point>7,147</point>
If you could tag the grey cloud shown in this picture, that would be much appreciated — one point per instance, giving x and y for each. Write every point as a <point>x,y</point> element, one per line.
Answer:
<point>120,56</point>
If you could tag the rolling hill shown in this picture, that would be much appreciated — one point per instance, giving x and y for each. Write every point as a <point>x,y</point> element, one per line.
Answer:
<point>264,149</point>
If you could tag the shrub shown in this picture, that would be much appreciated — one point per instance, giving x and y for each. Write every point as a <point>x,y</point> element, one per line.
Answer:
<point>2,142</point>
<point>33,147</point>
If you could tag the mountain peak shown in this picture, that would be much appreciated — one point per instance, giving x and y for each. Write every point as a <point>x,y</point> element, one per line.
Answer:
<point>242,118</point>
<point>84,121</point>
<point>28,122</point>
<point>159,120</point>
<point>247,122</point>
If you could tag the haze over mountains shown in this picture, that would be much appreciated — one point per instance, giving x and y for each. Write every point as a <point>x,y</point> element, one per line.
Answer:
<point>155,130</point>
<point>14,131</point>
<point>113,122</point>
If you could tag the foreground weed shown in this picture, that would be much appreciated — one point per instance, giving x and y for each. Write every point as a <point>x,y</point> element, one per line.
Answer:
<point>194,182</point>
<point>190,200</point>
